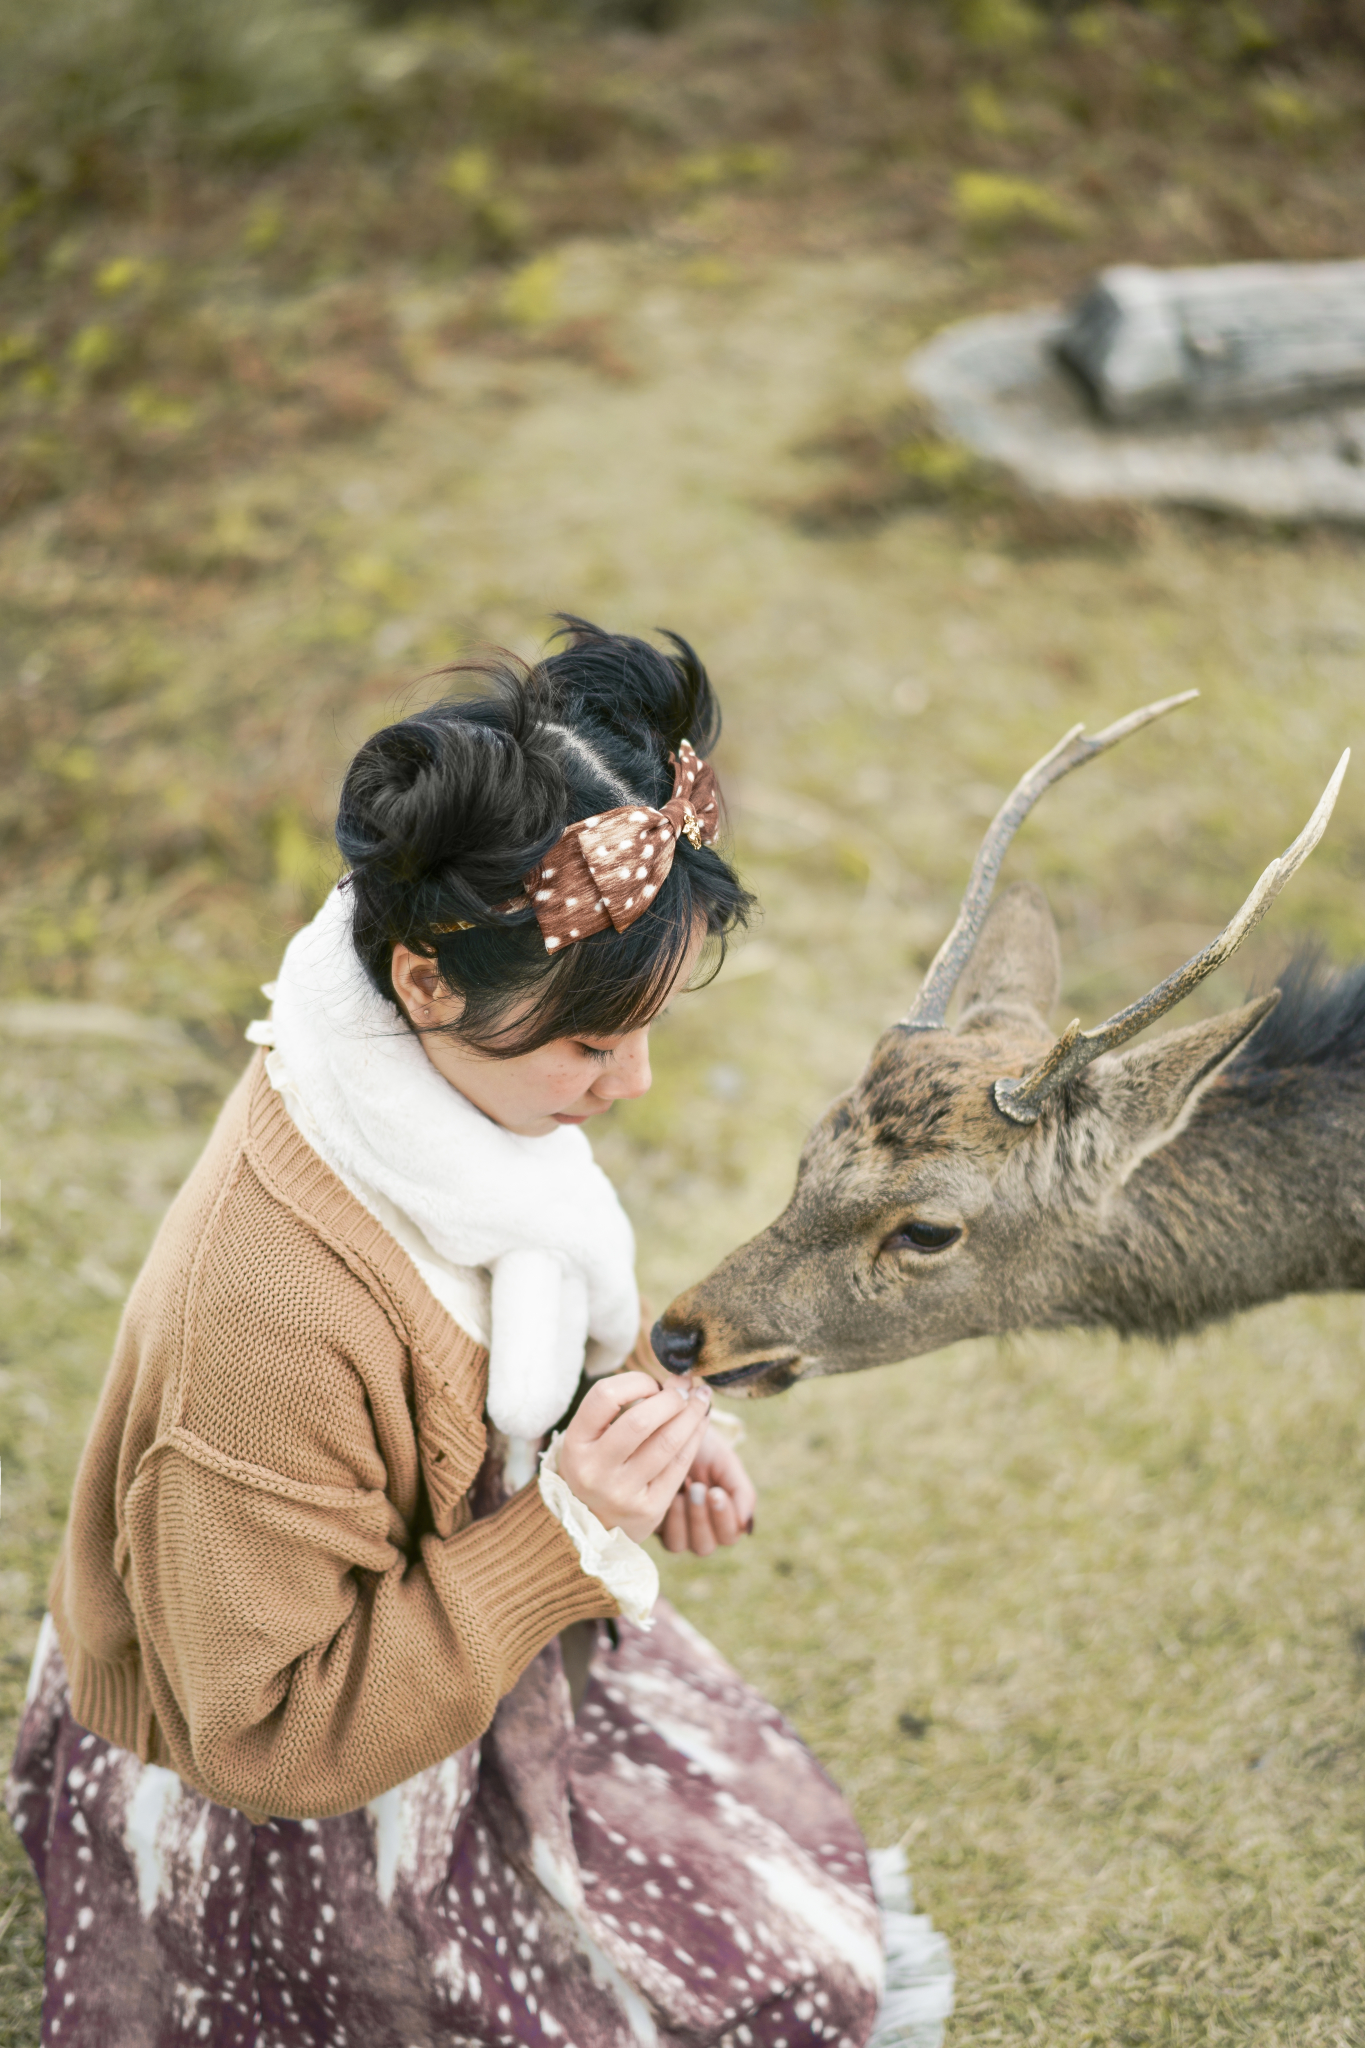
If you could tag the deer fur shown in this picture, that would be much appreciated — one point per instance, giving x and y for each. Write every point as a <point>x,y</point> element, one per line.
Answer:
<point>1169,1185</point>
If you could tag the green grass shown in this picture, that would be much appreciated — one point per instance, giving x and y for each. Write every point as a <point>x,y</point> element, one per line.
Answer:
<point>98,1133</point>
<point>1082,1621</point>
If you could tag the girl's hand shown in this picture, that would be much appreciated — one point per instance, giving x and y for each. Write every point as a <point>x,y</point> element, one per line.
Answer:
<point>716,1506</point>
<point>627,1450</point>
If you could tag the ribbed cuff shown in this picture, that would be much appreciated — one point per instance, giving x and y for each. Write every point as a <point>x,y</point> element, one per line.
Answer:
<point>530,1583</point>
<point>110,1700</point>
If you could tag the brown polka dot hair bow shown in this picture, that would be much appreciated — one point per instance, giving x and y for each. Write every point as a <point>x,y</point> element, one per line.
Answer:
<point>607,870</point>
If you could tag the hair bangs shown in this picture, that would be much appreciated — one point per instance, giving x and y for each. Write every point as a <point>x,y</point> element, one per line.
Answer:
<point>602,987</point>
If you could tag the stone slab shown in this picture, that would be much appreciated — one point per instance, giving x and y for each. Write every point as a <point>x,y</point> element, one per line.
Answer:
<point>1238,337</point>
<point>997,385</point>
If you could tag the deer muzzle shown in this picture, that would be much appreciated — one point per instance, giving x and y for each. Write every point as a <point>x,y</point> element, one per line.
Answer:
<point>685,1341</point>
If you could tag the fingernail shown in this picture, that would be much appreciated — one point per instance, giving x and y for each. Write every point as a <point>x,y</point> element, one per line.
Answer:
<point>749,1526</point>
<point>719,1497</point>
<point>696,1493</point>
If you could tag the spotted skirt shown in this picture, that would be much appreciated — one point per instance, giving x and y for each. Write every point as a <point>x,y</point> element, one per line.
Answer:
<point>670,1865</point>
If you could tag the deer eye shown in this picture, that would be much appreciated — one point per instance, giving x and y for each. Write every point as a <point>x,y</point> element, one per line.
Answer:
<point>922,1237</point>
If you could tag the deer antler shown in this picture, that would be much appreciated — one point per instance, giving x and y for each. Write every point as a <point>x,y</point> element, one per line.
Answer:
<point>930,1006</point>
<point>1022,1099</point>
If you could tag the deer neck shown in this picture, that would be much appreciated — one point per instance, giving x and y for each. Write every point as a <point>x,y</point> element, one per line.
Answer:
<point>1261,1194</point>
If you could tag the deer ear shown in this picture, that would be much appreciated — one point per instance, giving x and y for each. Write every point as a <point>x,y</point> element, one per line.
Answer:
<point>1015,973</point>
<point>1149,1091</point>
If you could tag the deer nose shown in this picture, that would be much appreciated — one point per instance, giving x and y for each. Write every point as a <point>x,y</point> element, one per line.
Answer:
<point>675,1349</point>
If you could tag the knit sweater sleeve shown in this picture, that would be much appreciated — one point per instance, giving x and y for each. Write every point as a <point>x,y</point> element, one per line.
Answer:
<point>299,1663</point>
<point>305,1646</point>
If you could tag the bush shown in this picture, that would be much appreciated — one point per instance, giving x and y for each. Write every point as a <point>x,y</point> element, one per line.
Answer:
<point>655,15</point>
<point>991,206</point>
<point>95,95</point>
<point>88,84</point>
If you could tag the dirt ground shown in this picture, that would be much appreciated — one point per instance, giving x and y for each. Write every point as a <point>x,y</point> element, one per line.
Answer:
<point>1079,1622</point>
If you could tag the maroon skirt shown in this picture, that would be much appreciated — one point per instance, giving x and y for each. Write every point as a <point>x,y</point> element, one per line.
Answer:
<point>669,1866</point>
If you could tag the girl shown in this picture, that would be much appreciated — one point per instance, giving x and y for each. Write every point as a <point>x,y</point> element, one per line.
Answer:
<point>357,1719</point>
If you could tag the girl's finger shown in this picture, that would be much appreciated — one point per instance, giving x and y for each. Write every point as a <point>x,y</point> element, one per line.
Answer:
<point>671,1450</point>
<point>744,1497</point>
<point>699,1537</point>
<point>637,1425</point>
<point>669,1479</point>
<point>608,1402</point>
<point>673,1528</point>
<point>724,1516</point>
<point>721,1466</point>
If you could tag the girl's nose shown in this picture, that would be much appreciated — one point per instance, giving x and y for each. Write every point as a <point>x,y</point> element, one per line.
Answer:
<point>629,1074</point>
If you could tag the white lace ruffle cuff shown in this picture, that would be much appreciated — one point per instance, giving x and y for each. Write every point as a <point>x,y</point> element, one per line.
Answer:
<point>628,1572</point>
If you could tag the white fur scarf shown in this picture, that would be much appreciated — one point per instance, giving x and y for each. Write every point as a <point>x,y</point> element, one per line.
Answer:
<point>536,1211</point>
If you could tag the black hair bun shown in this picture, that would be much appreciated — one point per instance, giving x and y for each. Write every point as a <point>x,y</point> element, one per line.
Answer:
<point>444,814</point>
<point>449,802</point>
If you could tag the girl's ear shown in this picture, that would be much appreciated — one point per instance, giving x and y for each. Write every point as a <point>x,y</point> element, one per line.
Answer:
<point>420,991</point>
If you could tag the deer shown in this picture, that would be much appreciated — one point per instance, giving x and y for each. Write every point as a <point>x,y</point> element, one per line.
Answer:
<point>986,1177</point>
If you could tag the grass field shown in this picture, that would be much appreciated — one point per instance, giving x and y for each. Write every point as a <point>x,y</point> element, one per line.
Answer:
<point>1081,1621</point>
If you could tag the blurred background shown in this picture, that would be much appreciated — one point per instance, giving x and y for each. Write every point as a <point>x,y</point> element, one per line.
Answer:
<point>335,340</point>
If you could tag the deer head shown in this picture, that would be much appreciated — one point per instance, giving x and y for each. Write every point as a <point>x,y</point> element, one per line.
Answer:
<point>962,1186</point>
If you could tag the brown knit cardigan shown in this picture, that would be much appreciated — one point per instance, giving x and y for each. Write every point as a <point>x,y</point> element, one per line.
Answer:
<point>271,1580</point>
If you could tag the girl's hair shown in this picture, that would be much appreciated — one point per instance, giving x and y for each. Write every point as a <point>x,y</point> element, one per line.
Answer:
<point>443,814</point>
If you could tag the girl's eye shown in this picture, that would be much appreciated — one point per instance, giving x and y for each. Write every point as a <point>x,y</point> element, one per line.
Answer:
<point>922,1237</point>
<point>594,1052</point>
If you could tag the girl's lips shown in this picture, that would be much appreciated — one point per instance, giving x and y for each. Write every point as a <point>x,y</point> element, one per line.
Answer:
<point>564,1116</point>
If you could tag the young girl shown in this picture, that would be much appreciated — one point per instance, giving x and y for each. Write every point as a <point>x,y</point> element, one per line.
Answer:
<point>357,1719</point>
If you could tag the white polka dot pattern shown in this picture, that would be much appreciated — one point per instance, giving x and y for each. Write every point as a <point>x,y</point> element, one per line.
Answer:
<point>606,871</point>
<point>669,1865</point>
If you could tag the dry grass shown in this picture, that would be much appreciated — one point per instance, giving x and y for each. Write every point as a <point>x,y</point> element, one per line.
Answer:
<point>1084,1620</point>
<point>174,252</point>
<point>876,468</point>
